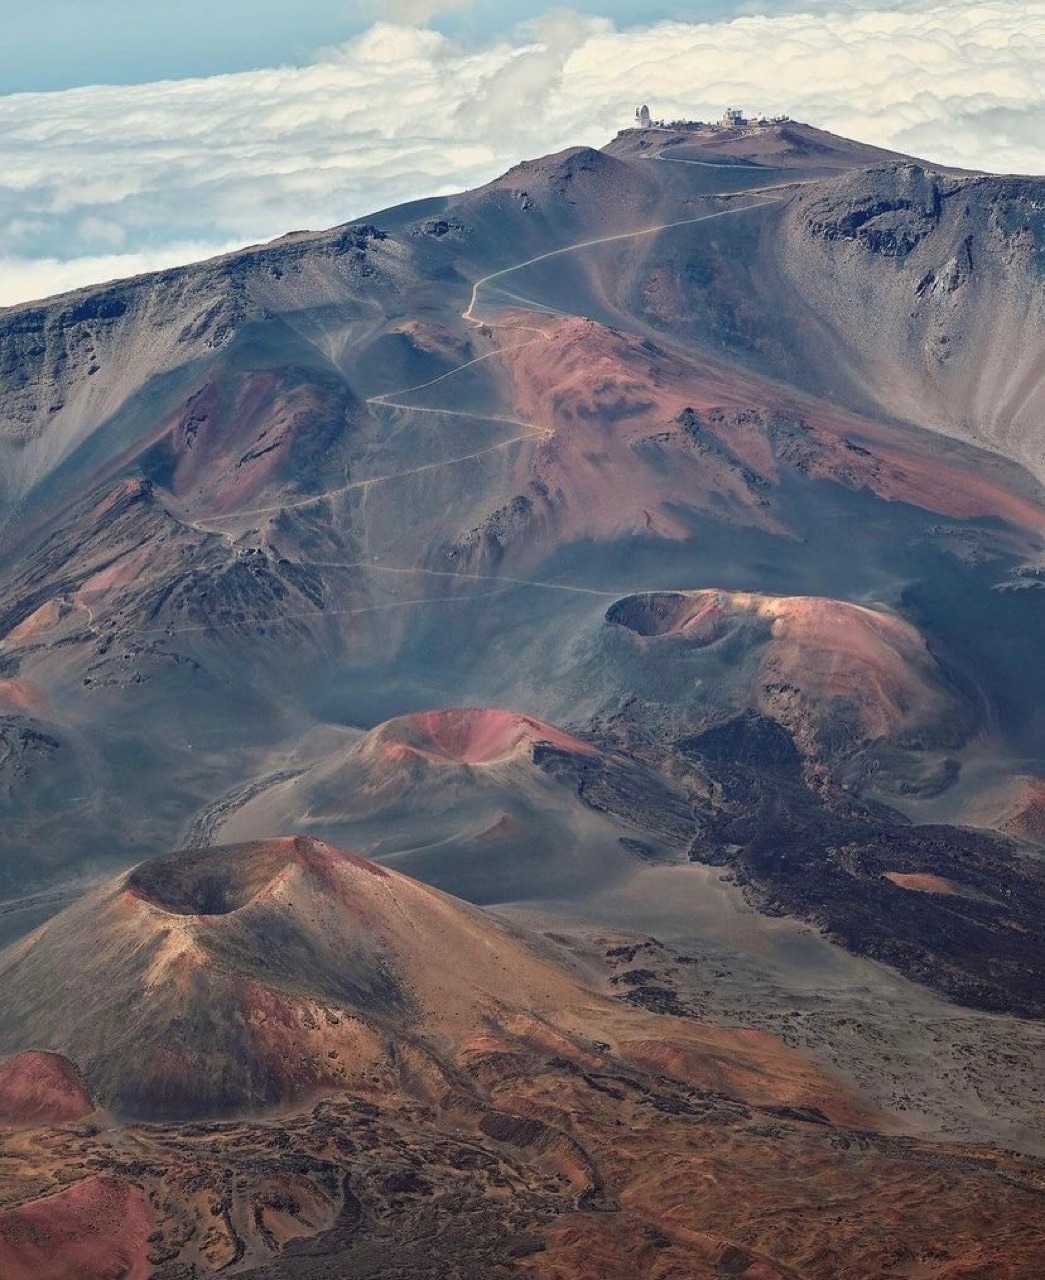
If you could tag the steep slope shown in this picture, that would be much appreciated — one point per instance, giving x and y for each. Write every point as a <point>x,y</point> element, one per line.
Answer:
<point>866,702</point>
<point>267,515</point>
<point>947,273</point>
<point>265,973</point>
<point>268,971</point>
<point>93,373</point>
<point>1016,806</point>
<point>98,1229</point>
<point>469,736</point>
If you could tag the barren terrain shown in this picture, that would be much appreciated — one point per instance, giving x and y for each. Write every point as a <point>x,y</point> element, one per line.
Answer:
<point>637,563</point>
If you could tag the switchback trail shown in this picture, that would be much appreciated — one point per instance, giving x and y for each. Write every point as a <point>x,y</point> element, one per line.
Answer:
<point>469,312</point>
<point>531,431</point>
<point>528,431</point>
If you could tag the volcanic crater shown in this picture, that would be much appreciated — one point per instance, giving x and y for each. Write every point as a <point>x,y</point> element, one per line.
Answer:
<point>252,508</point>
<point>202,883</point>
<point>471,736</point>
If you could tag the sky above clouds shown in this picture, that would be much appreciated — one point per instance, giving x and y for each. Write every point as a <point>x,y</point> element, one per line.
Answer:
<point>57,44</point>
<point>244,119</point>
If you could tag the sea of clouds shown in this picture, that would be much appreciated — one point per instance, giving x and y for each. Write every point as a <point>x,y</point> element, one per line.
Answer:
<point>102,182</point>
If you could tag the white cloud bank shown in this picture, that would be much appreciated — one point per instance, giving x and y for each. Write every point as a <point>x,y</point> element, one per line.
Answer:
<point>102,182</point>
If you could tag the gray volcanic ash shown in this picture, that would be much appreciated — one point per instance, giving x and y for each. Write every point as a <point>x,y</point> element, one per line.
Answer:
<point>489,804</point>
<point>946,273</point>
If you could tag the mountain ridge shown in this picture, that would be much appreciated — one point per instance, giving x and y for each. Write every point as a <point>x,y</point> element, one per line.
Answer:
<point>637,562</point>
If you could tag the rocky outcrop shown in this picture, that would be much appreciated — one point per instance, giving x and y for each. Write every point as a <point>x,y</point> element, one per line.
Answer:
<point>946,274</point>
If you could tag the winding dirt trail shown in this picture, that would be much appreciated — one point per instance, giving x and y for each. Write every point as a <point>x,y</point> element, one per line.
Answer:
<point>394,400</point>
<point>531,431</point>
<point>469,312</point>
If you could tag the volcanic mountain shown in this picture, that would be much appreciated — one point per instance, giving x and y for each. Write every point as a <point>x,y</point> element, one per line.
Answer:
<point>647,540</point>
<point>856,687</point>
<point>217,980</point>
<point>221,979</point>
<point>489,804</point>
<point>425,1058</point>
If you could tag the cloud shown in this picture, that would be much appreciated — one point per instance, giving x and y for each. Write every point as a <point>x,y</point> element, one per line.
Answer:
<point>111,180</point>
<point>514,93</point>
<point>22,279</point>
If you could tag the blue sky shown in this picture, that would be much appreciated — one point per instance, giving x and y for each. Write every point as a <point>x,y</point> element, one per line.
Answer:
<point>58,44</point>
<point>144,135</point>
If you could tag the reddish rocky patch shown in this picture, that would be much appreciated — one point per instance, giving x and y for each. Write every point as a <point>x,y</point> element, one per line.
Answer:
<point>473,735</point>
<point>95,1230</point>
<point>41,1088</point>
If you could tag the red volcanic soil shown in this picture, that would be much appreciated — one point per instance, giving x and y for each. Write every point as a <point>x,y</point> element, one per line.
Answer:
<point>472,735</point>
<point>114,577</point>
<point>124,491</point>
<point>1028,816</point>
<point>235,433</point>
<point>620,454</point>
<point>22,698</point>
<point>616,461</point>
<point>924,882</point>
<point>41,1088</point>
<point>212,981</point>
<point>827,651</point>
<point>95,1230</point>
<point>874,661</point>
<point>1016,806</point>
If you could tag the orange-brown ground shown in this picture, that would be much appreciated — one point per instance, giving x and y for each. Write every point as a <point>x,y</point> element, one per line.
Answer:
<point>41,1088</point>
<point>924,882</point>
<point>23,698</point>
<point>1016,806</point>
<point>555,1161</point>
<point>96,1229</point>
<point>619,456</point>
<point>472,735</point>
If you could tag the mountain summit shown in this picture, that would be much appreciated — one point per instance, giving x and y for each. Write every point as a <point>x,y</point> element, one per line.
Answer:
<point>637,561</point>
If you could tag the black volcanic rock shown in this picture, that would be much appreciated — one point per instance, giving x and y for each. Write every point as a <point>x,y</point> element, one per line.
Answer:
<point>625,789</point>
<point>464,452</point>
<point>958,910</point>
<point>892,224</point>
